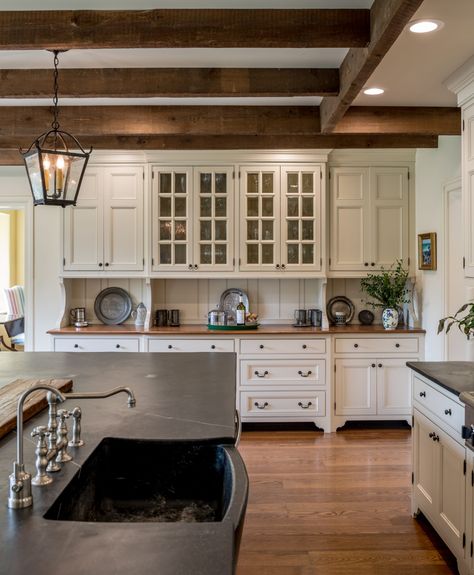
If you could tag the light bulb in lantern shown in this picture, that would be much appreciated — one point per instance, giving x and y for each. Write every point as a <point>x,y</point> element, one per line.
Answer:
<point>46,166</point>
<point>59,173</point>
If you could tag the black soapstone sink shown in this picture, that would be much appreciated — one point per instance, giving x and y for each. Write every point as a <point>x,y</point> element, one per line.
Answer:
<point>134,480</point>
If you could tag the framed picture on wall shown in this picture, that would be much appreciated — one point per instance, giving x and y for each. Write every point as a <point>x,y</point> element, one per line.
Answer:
<point>427,251</point>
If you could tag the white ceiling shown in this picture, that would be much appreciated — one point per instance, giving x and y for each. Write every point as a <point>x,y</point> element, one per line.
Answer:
<point>412,72</point>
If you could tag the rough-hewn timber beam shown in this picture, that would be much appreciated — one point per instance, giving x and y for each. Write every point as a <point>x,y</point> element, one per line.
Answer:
<point>187,28</point>
<point>9,154</point>
<point>388,19</point>
<point>170,82</point>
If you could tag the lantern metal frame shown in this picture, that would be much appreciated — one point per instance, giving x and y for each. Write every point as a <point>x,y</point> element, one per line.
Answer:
<point>47,190</point>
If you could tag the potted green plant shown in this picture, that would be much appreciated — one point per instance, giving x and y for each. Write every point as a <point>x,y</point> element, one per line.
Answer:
<point>465,322</point>
<point>388,289</point>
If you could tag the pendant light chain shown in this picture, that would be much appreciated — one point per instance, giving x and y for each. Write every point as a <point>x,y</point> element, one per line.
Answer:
<point>55,123</point>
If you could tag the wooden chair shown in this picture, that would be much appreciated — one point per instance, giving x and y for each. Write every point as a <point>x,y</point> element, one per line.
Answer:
<point>15,330</point>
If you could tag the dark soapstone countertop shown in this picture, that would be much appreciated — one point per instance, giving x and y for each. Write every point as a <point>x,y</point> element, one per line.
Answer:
<point>455,376</point>
<point>179,396</point>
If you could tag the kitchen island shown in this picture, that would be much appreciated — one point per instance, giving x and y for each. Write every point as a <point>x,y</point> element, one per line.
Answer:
<point>190,398</point>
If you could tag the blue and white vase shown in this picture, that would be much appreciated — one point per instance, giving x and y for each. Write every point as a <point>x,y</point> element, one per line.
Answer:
<point>390,318</point>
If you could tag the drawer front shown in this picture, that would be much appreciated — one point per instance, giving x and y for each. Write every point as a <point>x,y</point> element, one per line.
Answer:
<point>376,345</point>
<point>443,407</point>
<point>96,344</point>
<point>283,403</point>
<point>282,346</point>
<point>306,372</point>
<point>190,345</point>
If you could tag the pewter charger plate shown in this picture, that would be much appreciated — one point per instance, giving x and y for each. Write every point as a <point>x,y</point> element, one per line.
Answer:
<point>113,305</point>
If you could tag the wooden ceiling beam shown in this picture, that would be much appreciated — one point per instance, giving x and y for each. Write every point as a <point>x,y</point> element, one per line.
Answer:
<point>388,19</point>
<point>9,154</point>
<point>229,121</point>
<point>186,28</point>
<point>170,82</point>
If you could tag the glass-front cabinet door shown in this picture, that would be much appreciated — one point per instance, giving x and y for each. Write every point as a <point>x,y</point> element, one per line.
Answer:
<point>301,218</point>
<point>213,219</point>
<point>172,218</point>
<point>260,218</point>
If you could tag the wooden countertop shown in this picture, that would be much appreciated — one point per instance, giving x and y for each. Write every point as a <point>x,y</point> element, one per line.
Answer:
<point>262,330</point>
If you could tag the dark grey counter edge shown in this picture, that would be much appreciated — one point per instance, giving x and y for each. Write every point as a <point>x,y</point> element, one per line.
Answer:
<point>454,376</point>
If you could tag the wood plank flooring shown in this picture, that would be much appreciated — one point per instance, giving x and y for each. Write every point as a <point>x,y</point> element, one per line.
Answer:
<point>334,504</point>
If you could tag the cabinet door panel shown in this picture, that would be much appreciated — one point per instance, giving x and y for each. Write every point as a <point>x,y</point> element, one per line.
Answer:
<point>425,465</point>
<point>393,387</point>
<point>83,236</point>
<point>355,387</point>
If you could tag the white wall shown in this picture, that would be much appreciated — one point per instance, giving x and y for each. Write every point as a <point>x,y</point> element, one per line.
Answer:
<point>434,168</point>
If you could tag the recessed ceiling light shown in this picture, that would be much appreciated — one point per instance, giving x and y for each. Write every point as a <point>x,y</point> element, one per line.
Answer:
<point>374,91</point>
<point>423,26</point>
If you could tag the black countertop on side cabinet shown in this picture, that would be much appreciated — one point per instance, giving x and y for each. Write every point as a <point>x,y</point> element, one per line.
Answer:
<point>179,396</point>
<point>455,376</point>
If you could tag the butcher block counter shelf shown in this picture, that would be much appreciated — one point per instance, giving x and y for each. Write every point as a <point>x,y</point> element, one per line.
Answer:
<point>187,399</point>
<point>270,329</point>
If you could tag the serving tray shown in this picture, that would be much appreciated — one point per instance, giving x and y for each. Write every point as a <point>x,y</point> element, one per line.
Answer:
<point>233,327</point>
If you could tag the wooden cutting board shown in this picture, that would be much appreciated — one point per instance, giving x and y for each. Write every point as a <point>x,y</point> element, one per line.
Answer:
<point>34,403</point>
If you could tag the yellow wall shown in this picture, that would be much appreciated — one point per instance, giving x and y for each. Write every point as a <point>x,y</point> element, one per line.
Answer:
<point>17,246</point>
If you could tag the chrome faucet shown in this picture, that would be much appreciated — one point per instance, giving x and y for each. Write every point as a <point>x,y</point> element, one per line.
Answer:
<point>20,481</point>
<point>101,394</point>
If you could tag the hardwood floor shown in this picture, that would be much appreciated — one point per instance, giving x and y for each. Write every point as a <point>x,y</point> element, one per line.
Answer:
<point>334,504</point>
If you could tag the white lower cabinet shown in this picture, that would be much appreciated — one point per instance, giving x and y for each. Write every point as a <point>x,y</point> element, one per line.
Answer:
<point>190,345</point>
<point>88,343</point>
<point>440,482</point>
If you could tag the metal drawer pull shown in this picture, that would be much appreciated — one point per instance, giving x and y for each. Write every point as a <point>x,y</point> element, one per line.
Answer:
<point>304,374</point>
<point>422,393</point>
<point>258,406</point>
<point>436,438</point>
<point>432,434</point>
<point>258,374</point>
<point>448,412</point>
<point>305,406</point>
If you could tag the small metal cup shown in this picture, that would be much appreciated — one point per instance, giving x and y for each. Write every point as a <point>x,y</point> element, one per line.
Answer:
<point>300,316</point>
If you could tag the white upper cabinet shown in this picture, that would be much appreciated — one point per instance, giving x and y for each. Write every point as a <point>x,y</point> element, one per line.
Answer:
<point>104,232</point>
<point>193,219</point>
<point>369,217</point>
<point>280,218</point>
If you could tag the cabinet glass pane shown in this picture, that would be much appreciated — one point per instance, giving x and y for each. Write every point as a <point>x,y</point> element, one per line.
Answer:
<point>165,254</point>
<point>308,185</point>
<point>292,252</point>
<point>267,230</point>
<point>221,183</point>
<point>308,210</point>
<point>267,183</point>
<point>165,183</point>
<point>267,253</point>
<point>180,230</point>
<point>180,183</point>
<point>221,254</point>
<point>206,207</point>
<point>252,183</point>
<point>267,207</point>
<point>252,206</point>
<point>252,229</point>
<point>180,207</point>
<point>206,254</point>
<point>180,254</point>
<point>165,230</point>
<point>220,230</point>
<point>206,184</point>
<point>292,183</point>
<point>308,253</point>
<point>221,207</point>
<point>292,207</point>
<point>308,229</point>
<point>293,232</point>
<point>206,230</point>
<point>252,253</point>
<point>165,207</point>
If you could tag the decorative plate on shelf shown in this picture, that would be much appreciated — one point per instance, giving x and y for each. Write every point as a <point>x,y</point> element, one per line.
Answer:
<point>229,301</point>
<point>342,304</point>
<point>113,305</point>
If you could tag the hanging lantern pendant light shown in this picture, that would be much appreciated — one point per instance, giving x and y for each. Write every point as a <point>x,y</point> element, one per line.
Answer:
<point>55,173</point>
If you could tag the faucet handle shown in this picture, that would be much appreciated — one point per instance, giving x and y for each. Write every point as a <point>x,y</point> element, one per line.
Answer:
<point>76,440</point>
<point>62,443</point>
<point>41,452</point>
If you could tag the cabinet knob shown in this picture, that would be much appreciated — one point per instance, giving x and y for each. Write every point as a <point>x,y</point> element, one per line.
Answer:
<point>190,266</point>
<point>304,346</point>
<point>366,264</point>
<point>261,346</point>
<point>372,264</point>
<point>436,438</point>
<point>448,412</point>
<point>373,365</point>
<point>195,266</point>
<point>277,266</point>
<point>283,266</point>
<point>397,345</point>
<point>100,264</point>
<point>432,434</point>
<point>356,345</point>
<point>380,365</point>
<point>76,345</point>
<point>213,346</point>
<point>107,264</point>
<point>304,406</point>
<point>170,346</point>
<point>422,393</point>
<point>258,406</point>
<point>118,346</point>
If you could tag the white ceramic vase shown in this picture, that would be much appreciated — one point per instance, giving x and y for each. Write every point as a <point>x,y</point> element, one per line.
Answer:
<point>390,318</point>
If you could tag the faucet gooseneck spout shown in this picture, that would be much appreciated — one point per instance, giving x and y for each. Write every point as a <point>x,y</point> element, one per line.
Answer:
<point>101,394</point>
